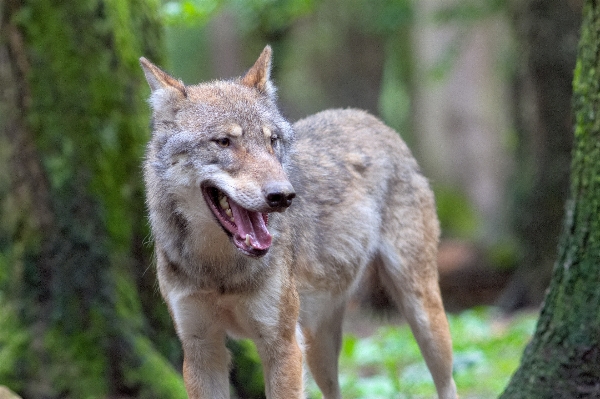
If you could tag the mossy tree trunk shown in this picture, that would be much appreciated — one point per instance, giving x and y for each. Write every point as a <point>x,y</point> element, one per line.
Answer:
<point>73,124</point>
<point>562,360</point>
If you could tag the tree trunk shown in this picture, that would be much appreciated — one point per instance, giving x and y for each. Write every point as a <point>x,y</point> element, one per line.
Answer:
<point>72,126</point>
<point>547,32</point>
<point>562,359</point>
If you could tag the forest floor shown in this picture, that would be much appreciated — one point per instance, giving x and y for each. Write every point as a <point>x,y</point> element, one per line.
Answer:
<point>380,358</point>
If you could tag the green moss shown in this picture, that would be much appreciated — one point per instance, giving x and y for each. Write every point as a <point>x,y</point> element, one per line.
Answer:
<point>88,100</point>
<point>77,362</point>
<point>73,282</point>
<point>562,359</point>
<point>14,340</point>
<point>155,376</point>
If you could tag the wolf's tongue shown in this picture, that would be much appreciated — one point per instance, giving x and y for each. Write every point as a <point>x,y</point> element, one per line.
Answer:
<point>251,224</point>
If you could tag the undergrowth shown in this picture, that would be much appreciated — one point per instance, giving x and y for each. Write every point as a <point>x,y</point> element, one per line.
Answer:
<point>388,364</point>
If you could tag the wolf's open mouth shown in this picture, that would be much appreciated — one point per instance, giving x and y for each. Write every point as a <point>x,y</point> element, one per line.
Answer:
<point>247,229</point>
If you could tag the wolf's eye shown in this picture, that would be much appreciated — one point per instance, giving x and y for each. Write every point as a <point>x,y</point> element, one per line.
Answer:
<point>274,139</point>
<point>223,142</point>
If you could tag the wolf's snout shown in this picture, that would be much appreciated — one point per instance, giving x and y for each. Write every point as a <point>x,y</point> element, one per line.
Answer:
<point>279,195</point>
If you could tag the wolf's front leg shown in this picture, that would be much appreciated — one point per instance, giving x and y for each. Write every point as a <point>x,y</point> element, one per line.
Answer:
<point>277,342</point>
<point>205,357</point>
<point>206,368</point>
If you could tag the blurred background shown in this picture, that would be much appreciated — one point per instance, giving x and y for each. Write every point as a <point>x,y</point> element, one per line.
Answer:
<point>479,89</point>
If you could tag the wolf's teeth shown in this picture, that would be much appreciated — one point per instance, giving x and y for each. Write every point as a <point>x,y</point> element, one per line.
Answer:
<point>224,203</point>
<point>248,240</point>
<point>229,213</point>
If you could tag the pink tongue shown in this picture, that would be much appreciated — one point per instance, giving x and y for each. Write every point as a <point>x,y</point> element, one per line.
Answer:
<point>252,224</point>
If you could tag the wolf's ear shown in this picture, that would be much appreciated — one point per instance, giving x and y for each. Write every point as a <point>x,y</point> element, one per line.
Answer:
<point>167,92</point>
<point>259,76</point>
<point>159,79</point>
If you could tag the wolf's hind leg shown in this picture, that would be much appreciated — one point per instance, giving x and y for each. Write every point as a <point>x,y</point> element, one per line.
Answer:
<point>321,321</point>
<point>416,292</point>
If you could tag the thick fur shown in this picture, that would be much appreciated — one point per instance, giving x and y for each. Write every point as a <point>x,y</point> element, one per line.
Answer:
<point>361,209</point>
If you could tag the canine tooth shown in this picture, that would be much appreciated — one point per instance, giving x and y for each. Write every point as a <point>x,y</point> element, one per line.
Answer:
<point>224,203</point>
<point>229,213</point>
<point>248,239</point>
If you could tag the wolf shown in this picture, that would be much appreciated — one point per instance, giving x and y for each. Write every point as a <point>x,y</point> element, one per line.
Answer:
<point>264,229</point>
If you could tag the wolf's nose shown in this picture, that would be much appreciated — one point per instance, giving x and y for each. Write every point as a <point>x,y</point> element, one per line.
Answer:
<point>279,195</point>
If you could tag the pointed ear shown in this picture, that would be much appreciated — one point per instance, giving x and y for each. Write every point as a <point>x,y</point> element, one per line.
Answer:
<point>167,92</point>
<point>259,76</point>
<point>159,79</point>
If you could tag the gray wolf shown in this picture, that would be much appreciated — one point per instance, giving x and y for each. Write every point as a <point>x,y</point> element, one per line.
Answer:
<point>264,229</point>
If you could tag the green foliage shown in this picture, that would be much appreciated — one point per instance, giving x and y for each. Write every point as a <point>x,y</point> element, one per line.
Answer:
<point>389,364</point>
<point>379,17</point>
<point>269,16</point>
<point>187,49</point>
<point>457,216</point>
<point>487,350</point>
<point>154,376</point>
<point>255,15</point>
<point>189,12</point>
<point>76,362</point>
<point>470,11</point>
<point>247,374</point>
<point>14,340</point>
<point>382,17</point>
<point>395,101</point>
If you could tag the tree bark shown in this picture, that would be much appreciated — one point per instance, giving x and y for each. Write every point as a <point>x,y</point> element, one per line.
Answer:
<point>72,127</point>
<point>546,32</point>
<point>563,357</point>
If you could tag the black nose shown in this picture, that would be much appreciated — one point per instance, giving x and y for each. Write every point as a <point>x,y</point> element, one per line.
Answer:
<point>279,195</point>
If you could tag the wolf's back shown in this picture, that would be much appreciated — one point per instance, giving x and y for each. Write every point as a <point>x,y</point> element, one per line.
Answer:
<point>354,177</point>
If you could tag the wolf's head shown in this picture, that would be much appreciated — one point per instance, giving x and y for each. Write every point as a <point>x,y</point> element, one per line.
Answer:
<point>227,140</point>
